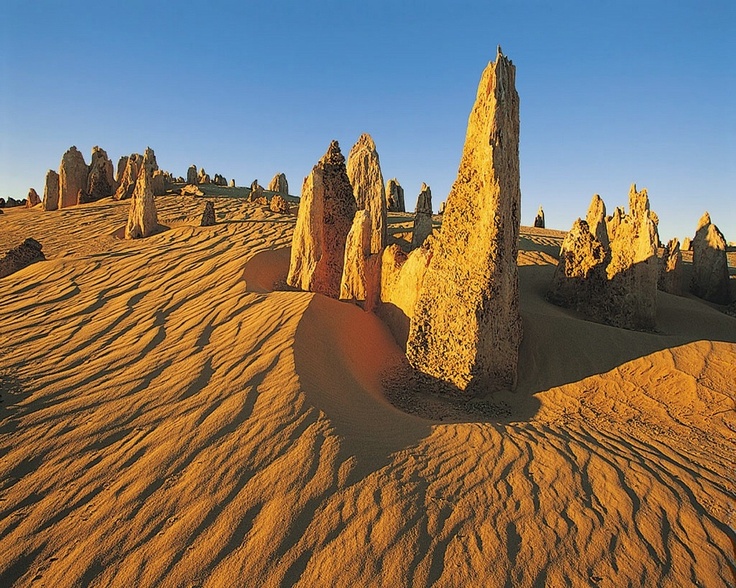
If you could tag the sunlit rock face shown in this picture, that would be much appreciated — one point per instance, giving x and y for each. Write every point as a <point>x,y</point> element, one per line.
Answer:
<point>142,218</point>
<point>364,173</point>
<point>710,265</point>
<point>422,217</point>
<point>72,177</point>
<point>279,184</point>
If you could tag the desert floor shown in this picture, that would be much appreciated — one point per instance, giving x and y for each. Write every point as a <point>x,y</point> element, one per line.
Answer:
<point>168,418</point>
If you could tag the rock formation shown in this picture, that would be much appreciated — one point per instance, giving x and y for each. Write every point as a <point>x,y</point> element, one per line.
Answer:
<point>142,218</point>
<point>687,244</point>
<point>710,265</point>
<point>279,184</point>
<point>395,196</point>
<point>208,216</point>
<point>149,161</point>
<point>256,191</point>
<point>466,327</point>
<point>360,276</point>
<point>158,183</point>
<point>364,172</point>
<point>100,179</point>
<point>72,177</point>
<point>613,222</point>
<point>441,209</point>
<point>21,256</point>
<point>422,217</point>
<point>33,198</point>
<point>192,175</point>
<point>596,219</point>
<point>280,204</point>
<point>51,191</point>
<point>670,268</point>
<point>326,212</point>
<point>120,170</point>
<point>539,219</point>
<point>130,177</point>
<point>232,183</point>
<point>191,190</point>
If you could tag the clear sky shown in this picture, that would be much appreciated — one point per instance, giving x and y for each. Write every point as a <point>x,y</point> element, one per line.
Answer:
<point>612,92</point>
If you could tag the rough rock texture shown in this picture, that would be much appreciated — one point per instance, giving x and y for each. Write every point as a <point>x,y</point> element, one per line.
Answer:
<point>687,244</point>
<point>596,219</point>
<point>204,179</point>
<point>280,204</point>
<point>158,183</point>
<point>127,183</point>
<point>51,191</point>
<point>326,212</point>
<point>614,221</point>
<point>232,183</point>
<point>395,196</point>
<point>142,218</point>
<point>192,175</point>
<point>120,170</point>
<point>21,256</point>
<point>422,217</point>
<point>191,190</point>
<point>539,219</point>
<point>357,251</point>
<point>441,209</point>
<point>256,191</point>
<point>33,198</point>
<point>466,327</point>
<point>670,268</point>
<point>208,216</point>
<point>149,161</point>
<point>72,177</point>
<point>710,265</point>
<point>364,172</point>
<point>100,180</point>
<point>279,184</point>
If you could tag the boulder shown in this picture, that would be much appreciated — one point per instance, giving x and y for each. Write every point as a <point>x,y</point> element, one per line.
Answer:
<point>72,177</point>
<point>710,264</point>
<point>280,204</point>
<point>364,172</point>
<point>466,328</point>
<point>326,212</point>
<point>279,184</point>
<point>21,256</point>
<point>395,196</point>
<point>100,179</point>
<point>422,217</point>
<point>192,175</point>
<point>670,268</point>
<point>33,198</point>
<point>51,191</point>
<point>232,183</point>
<point>142,218</point>
<point>208,216</point>
<point>539,219</point>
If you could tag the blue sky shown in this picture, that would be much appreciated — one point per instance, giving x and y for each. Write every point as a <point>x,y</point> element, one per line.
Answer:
<point>612,92</point>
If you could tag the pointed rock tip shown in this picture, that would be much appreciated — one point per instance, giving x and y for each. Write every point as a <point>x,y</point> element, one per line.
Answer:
<point>333,156</point>
<point>704,220</point>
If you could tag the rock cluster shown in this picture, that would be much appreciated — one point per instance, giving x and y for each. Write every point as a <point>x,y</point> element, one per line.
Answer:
<point>208,216</point>
<point>279,184</point>
<point>608,268</point>
<point>710,279</point>
<point>72,178</point>
<point>51,191</point>
<point>395,196</point>
<point>21,256</point>
<point>142,218</point>
<point>364,173</point>
<point>326,212</point>
<point>466,327</point>
<point>33,198</point>
<point>670,268</point>
<point>219,180</point>
<point>422,217</point>
<point>280,204</point>
<point>203,177</point>
<point>539,219</point>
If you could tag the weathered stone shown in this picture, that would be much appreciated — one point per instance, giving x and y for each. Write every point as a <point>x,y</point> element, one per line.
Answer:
<point>466,327</point>
<point>204,179</point>
<point>33,198</point>
<point>670,268</point>
<point>442,208</point>
<point>256,191</point>
<point>208,216</point>
<point>72,177</point>
<point>158,183</point>
<point>130,177</point>
<point>51,191</point>
<point>21,256</point>
<point>613,222</point>
<point>280,204</point>
<point>357,252</point>
<point>326,212</point>
<point>142,218</point>
<point>596,219</point>
<point>279,184</point>
<point>539,219</point>
<point>710,264</point>
<point>191,190</point>
<point>687,244</point>
<point>192,175</point>
<point>232,183</point>
<point>149,161</point>
<point>395,196</point>
<point>422,217</point>
<point>100,180</point>
<point>120,170</point>
<point>364,172</point>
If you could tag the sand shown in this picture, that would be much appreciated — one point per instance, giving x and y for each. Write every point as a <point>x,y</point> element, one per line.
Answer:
<point>169,419</point>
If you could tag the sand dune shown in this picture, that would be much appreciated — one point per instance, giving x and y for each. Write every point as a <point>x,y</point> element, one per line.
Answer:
<point>170,418</point>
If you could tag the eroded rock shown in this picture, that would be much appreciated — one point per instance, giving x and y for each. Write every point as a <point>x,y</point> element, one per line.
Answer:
<point>539,219</point>
<point>142,218</point>
<point>395,196</point>
<point>422,217</point>
<point>710,264</point>
<point>208,216</point>
<point>364,172</point>
<point>20,257</point>
<point>33,198</point>
<point>72,177</point>
<point>51,191</point>
<point>280,204</point>
<point>192,175</point>
<point>100,179</point>
<point>670,268</point>
<point>279,184</point>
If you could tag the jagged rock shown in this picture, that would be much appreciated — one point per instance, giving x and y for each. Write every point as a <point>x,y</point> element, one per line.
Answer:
<point>120,170</point>
<point>360,280</point>
<point>158,183</point>
<point>51,191</point>
<point>687,244</point>
<point>442,208</point>
<point>364,172</point>
<point>208,216</point>
<point>191,190</point>
<point>33,198</point>
<point>21,256</point>
<point>422,217</point>
<point>326,212</point>
<point>100,180</point>
<point>72,177</point>
<point>710,265</point>
<point>395,196</point>
<point>256,191</point>
<point>130,177</point>
<point>192,175</point>
<point>149,161</point>
<point>204,179</point>
<point>280,204</point>
<point>670,268</point>
<point>142,218</point>
<point>232,183</point>
<point>539,219</point>
<point>466,327</point>
<point>596,219</point>
<point>613,222</point>
<point>655,219</point>
<point>279,184</point>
